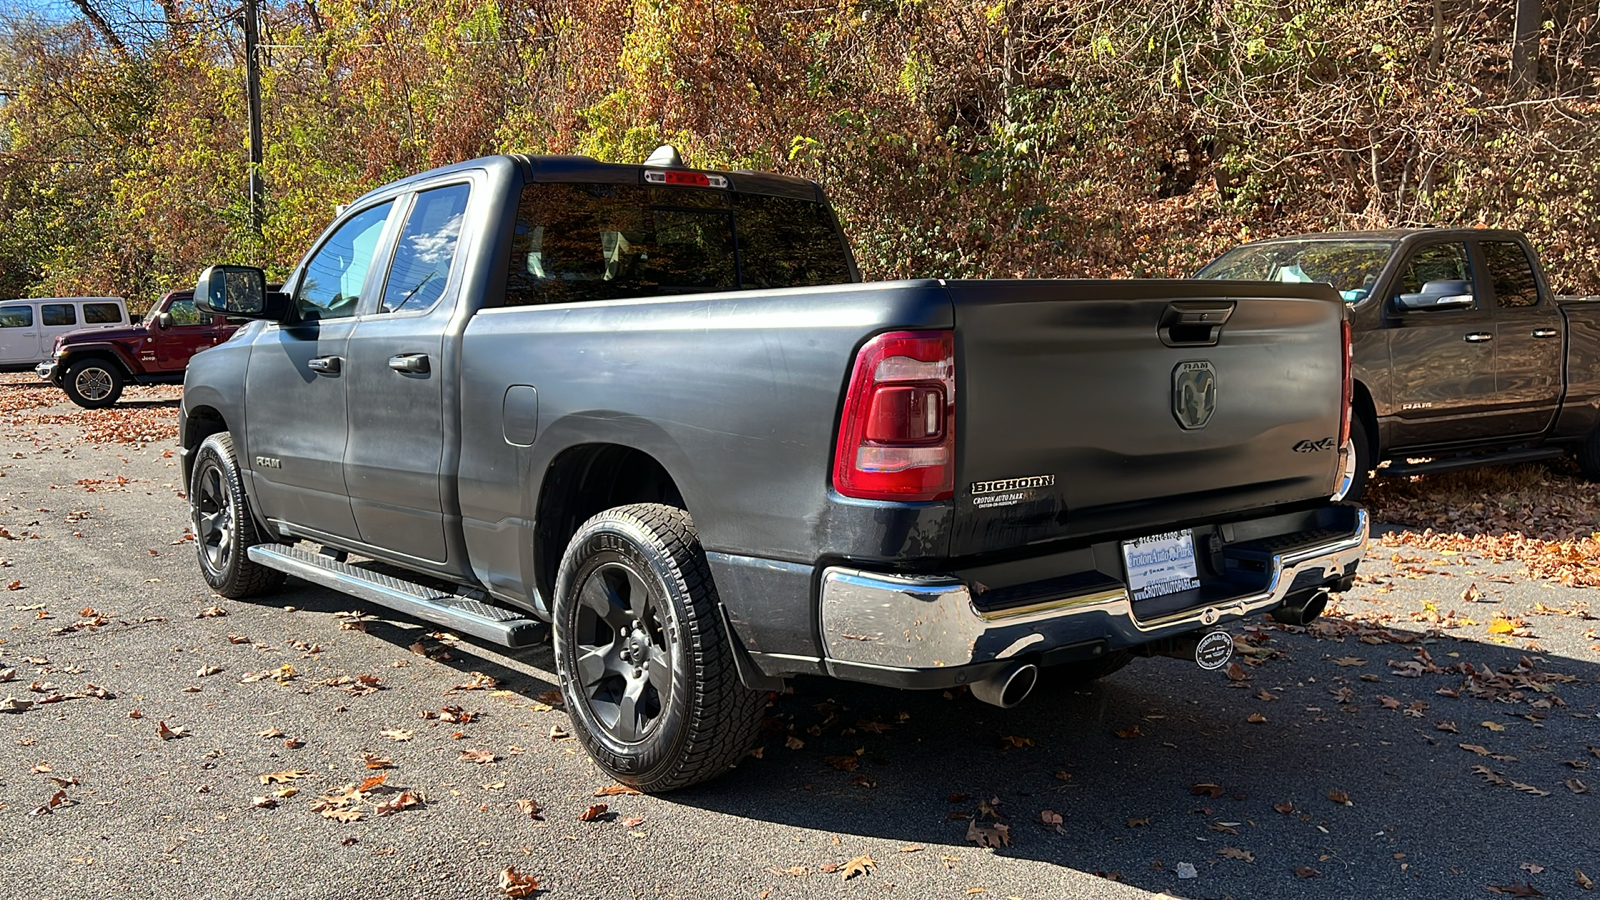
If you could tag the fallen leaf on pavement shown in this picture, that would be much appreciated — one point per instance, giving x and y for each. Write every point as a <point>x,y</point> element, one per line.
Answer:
<point>374,761</point>
<point>342,815</point>
<point>1139,822</point>
<point>1236,853</point>
<point>996,835</point>
<point>167,734</point>
<point>1256,718</point>
<point>481,757</point>
<point>1206,789</point>
<point>1050,817</point>
<point>592,813</point>
<point>402,800</point>
<point>13,705</point>
<point>1340,797</point>
<point>861,865</point>
<point>1493,726</point>
<point>1349,661</point>
<point>211,612</point>
<point>633,822</point>
<point>1286,807</point>
<point>1130,732</point>
<point>1582,880</point>
<point>1576,786</point>
<point>615,790</point>
<point>396,734</point>
<point>1305,872</point>
<point>284,777</point>
<point>516,884</point>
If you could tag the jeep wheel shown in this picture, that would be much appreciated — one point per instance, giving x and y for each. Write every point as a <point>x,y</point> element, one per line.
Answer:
<point>93,383</point>
<point>645,662</point>
<point>224,530</point>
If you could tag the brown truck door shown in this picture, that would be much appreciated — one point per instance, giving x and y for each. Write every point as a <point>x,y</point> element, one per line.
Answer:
<point>1528,341</point>
<point>1441,349</point>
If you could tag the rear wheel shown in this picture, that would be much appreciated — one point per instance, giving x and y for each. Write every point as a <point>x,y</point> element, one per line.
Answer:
<point>224,530</point>
<point>93,383</point>
<point>645,662</point>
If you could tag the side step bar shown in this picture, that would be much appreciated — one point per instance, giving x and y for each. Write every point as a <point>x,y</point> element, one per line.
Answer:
<point>491,623</point>
<point>1453,463</point>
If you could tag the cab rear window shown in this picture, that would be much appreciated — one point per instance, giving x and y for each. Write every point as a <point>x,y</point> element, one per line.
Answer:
<point>578,242</point>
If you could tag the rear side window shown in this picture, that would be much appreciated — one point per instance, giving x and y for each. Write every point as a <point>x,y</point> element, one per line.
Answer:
<point>16,317</point>
<point>577,242</point>
<point>101,313</point>
<point>1512,274</point>
<point>1440,262</point>
<point>57,314</point>
<point>426,249</point>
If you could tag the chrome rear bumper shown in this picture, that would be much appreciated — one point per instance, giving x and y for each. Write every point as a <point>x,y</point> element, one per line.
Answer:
<point>902,629</point>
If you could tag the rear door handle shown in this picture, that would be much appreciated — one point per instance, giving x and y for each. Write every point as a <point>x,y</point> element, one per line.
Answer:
<point>409,362</point>
<point>327,365</point>
<point>1545,332</point>
<point>1478,337</point>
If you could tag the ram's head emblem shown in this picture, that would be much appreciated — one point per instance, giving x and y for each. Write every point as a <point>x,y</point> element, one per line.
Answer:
<point>1194,393</point>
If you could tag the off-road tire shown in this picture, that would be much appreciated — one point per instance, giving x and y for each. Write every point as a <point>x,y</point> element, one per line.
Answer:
<point>93,383</point>
<point>224,529</point>
<point>661,627</point>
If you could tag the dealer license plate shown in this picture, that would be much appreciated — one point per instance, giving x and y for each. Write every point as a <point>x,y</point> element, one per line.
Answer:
<point>1161,564</point>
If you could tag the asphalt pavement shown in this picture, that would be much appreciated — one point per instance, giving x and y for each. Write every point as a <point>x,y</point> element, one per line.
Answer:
<point>183,745</point>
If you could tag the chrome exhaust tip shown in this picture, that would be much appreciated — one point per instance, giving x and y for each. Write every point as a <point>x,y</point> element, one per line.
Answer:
<point>1302,612</point>
<point>1009,686</point>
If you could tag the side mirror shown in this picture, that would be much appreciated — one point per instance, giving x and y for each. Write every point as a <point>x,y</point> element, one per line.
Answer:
<point>162,320</point>
<point>1438,295</point>
<point>239,291</point>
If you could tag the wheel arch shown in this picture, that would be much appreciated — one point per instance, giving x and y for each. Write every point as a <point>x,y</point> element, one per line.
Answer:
<point>107,352</point>
<point>1363,407</point>
<point>586,479</point>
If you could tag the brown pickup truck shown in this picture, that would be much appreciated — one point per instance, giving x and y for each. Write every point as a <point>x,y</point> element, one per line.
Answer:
<point>93,364</point>
<point>1463,354</point>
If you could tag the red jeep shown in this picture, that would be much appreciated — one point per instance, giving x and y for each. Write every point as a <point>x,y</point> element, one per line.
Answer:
<point>92,364</point>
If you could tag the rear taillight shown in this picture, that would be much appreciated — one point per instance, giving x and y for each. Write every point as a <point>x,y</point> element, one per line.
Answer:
<point>1346,385</point>
<point>897,436</point>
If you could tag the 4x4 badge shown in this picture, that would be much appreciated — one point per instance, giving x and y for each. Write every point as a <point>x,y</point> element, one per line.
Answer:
<point>1194,393</point>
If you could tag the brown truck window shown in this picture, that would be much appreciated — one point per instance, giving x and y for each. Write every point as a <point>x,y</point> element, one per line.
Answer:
<point>1512,274</point>
<point>101,313</point>
<point>57,314</point>
<point>427,247</point>
<point>1440,262</point>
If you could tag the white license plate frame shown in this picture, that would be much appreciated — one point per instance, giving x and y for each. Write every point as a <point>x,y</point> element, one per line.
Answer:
<point>1161,564</point>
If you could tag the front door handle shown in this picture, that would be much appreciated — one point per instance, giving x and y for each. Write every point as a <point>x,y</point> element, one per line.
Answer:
<point>1545,332</point>
<point>327,365</point>
<point>1478,337</point>
<point>410,362</point>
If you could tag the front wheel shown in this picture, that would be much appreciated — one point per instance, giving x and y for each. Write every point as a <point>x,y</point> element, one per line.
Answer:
<point>645,661</point>
<point>93,383</point>
<point>1358,463</point>
<point>224,530</point>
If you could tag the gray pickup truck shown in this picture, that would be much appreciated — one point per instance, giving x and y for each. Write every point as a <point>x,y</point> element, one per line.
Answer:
<point>655,408</point>
<point>1463,355</point>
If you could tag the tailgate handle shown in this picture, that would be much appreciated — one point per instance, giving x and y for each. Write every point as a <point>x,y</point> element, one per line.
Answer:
<point>1194,323</point>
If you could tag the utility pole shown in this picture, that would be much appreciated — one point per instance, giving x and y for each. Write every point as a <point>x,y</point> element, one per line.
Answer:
<point>252,76</point>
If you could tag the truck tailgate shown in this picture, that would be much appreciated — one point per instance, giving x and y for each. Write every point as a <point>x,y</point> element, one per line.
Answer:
<point>1126,407</point>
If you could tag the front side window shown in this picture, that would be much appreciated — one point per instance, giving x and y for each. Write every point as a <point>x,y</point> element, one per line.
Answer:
<point>1512,274</point>
<point>16,317</point>
<point>1438,263</point>
<point>334,275</point>
<point>101,313</point>
<point>183,312</point>
<point>57,314</point>
<point>426,249</point>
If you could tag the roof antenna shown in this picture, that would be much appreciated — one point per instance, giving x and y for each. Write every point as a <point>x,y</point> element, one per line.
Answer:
<point>666,156</point>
